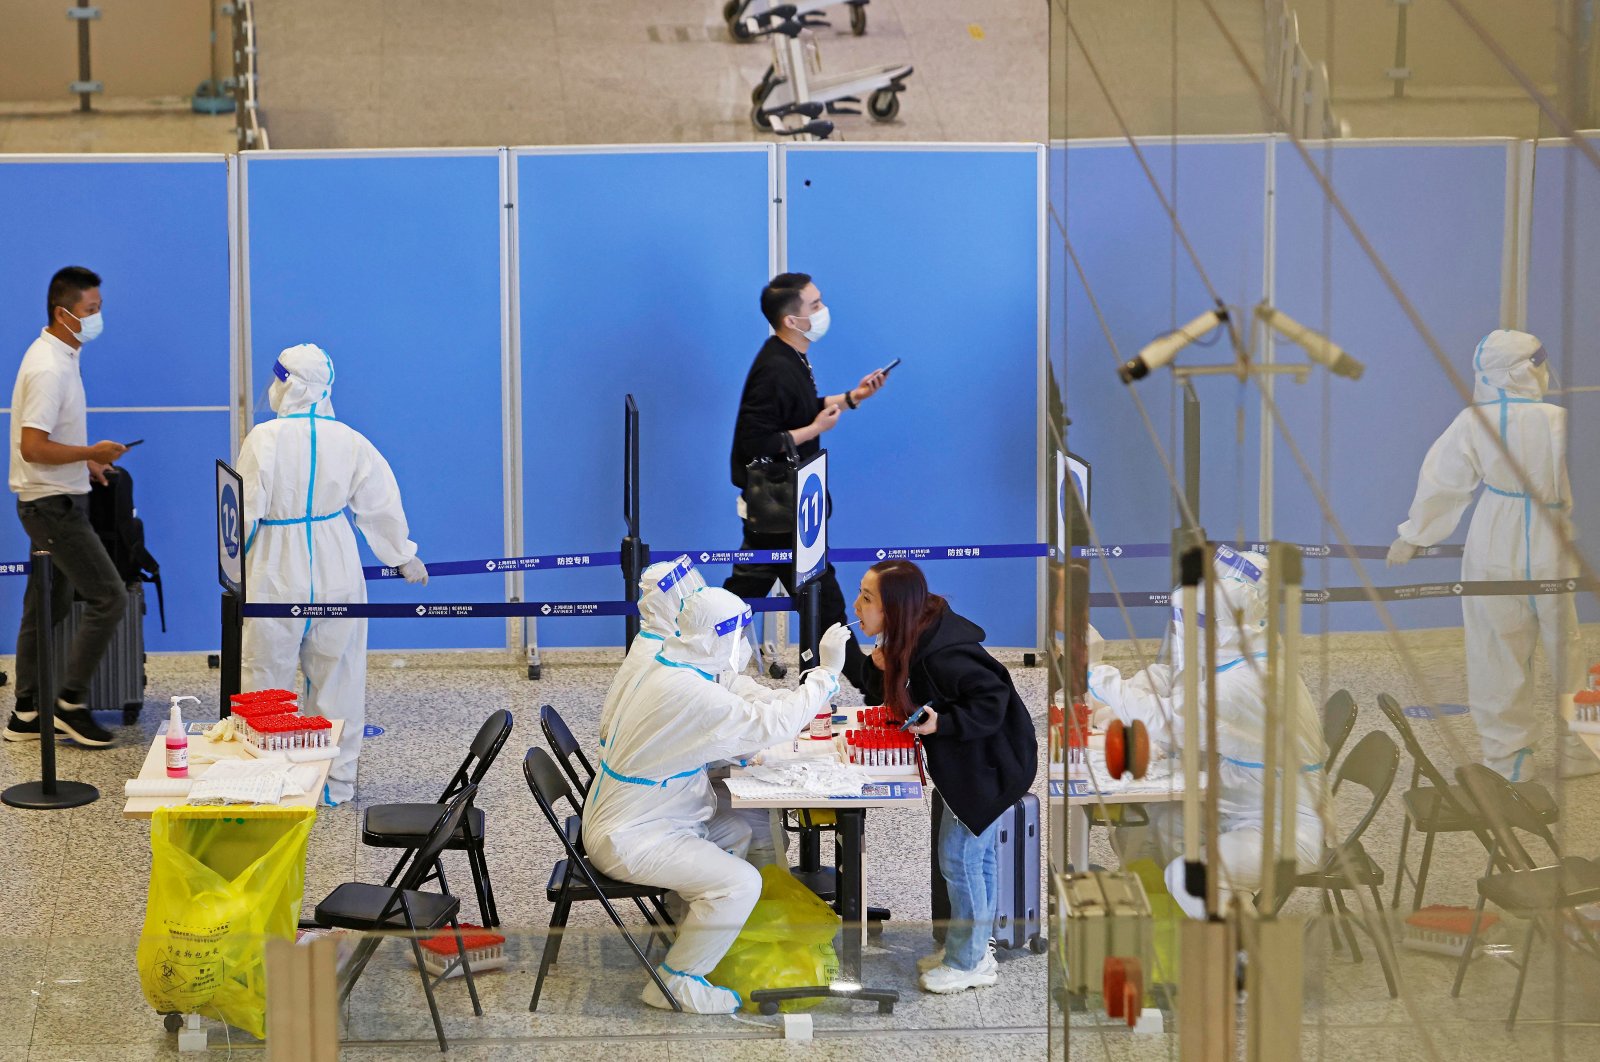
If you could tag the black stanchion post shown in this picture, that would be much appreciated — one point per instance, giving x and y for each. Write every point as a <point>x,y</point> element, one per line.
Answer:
<point>635,553</point>
<point>809,608</point>
<point>48,793</point>
<point>231,681</point>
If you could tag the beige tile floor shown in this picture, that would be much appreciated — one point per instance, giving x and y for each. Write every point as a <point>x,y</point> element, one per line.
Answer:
<point>74,888</point>
<point>442,73</point>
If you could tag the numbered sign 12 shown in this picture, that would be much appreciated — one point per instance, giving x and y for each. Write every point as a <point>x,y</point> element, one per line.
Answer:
<point>230,528</point>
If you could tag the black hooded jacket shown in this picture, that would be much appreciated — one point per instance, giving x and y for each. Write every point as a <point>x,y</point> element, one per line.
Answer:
<point>983,756</point>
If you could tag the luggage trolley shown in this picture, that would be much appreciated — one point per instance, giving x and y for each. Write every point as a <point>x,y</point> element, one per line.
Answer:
<point>790,83</point>
<point>782,24</point>
<point>734,13</point>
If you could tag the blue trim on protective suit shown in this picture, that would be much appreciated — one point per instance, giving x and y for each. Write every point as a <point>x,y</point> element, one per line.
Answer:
<point>689,667</point>
<point>649,782</point>
<point>1261,766</point>
<point>701,980</point>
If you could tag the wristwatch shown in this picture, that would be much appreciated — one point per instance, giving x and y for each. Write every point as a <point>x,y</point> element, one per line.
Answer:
<point>850,400</point>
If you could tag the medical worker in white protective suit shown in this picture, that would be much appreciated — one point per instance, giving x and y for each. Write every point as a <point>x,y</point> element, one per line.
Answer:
<point>663,588</point>
<point>652,816</point>
<point>662,591</point>
<point>1155,697</point>
<point>300,472</point>
<point>1516,534</point>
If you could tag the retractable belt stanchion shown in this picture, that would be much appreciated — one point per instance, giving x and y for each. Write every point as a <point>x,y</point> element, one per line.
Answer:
<point>635,552</point>
<point>230,575</point>
<point>48,793</point>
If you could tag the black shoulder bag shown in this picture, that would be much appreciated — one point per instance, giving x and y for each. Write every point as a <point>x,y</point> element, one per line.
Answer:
<point>769,491</point>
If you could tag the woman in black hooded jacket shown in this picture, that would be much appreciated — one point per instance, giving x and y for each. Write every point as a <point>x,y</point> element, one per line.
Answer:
<point>979,741</point>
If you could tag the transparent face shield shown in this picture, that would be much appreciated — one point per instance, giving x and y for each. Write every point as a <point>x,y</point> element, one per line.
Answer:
<point>269,395</point>
<point>739,648</point>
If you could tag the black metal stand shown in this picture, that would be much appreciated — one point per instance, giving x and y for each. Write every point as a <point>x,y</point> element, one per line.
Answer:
<point>47,794</point>
<point>635,552</point>
<point>231,679</point>
<point>808,605</point>
<point>850,839</point>
<point>635,559</point>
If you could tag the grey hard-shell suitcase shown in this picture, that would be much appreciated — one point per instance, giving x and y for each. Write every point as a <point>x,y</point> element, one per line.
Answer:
<point>1017,922</point>
<point>118,683</point>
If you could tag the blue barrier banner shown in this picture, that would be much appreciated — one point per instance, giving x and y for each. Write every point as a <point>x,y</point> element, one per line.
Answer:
<point>493,565</point>
<point>1131,550</point>
<point>452,610</point>
<point>469,609</point>
<point>16,568</point>
<point>1412,592</point>
<point>926,553</point>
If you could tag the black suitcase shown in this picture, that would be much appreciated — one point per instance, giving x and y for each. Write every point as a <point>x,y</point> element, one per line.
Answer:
<point>1017,922</point>
<point>118,683</point>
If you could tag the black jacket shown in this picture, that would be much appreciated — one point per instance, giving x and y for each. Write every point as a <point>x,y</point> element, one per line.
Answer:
<point>779,396</point>
<point>983,757</point>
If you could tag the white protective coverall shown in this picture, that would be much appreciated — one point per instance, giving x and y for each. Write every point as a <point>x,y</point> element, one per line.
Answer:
<point>300,472</point>
<point>1155,697</point>
<point>1508,539</point>
<point>663,588</point>
<point>652,818</point>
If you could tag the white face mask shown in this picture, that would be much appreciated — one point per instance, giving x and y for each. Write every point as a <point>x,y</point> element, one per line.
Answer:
<point>819,325</point>
<point>88,327</point>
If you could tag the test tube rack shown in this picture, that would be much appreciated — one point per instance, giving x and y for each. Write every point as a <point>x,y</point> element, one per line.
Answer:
<point>485,951</point>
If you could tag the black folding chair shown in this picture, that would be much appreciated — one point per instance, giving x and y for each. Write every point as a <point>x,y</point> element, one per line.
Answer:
<point>575,880</point>
<point>1371,765</point>
<point>1523,887</point>
<point>405,825</point>
<point>1338,719</point>
<point>559,737</point>
<point>375,908</point>
<point>1440,807</point>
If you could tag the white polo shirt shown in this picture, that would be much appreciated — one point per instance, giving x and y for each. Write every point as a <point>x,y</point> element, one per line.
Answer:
<point>48,396</point>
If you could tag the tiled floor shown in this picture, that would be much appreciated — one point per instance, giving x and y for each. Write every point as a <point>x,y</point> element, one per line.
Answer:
<point>450,73</point>
<point>74,889</point>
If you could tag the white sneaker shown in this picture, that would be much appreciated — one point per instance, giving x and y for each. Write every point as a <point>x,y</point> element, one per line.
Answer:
<point>944,980</point>
<point>694,994</point>
<point>928,962</point>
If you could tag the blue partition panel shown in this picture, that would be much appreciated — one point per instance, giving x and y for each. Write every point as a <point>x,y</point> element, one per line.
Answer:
<point>392,264</point>
<point>1146,284</point>
<point>1564,259</point>
<point>1436,214</point>
<point>640,273</point>
<point>932,256</point>
<point>157,233</point>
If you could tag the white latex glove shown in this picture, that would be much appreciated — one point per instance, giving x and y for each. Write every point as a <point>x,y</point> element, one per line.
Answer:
<point>414,571</point>
<point>830,651</point>
<point>1401,552</point>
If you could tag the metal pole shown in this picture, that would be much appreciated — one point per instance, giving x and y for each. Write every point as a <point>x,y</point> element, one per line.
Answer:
<point>1191,450</point>
<point>1400,73</point>
<point>83,59</point>
<point>48,793</point>
<point>231,680</point>
<point>635,554</point>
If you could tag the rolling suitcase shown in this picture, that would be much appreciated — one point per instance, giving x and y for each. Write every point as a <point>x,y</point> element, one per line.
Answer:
<point>118,683</point>
<point>1017,922</point>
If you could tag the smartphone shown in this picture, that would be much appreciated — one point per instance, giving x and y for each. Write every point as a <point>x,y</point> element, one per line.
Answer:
<point>916,717</point>
<point>890,367</point>
<point>131,445</point>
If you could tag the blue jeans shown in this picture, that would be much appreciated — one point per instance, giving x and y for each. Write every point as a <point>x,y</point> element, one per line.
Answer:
<point>967,861</point>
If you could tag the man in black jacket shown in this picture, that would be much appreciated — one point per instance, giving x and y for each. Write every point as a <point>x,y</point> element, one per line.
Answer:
<point>780,400</point>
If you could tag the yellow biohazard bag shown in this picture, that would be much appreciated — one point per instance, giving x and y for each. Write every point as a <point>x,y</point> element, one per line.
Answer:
<point>222,880</point>
<point>787,942</point>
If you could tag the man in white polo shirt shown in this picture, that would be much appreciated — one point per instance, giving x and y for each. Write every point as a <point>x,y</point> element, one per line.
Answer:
<point>50,469</point>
